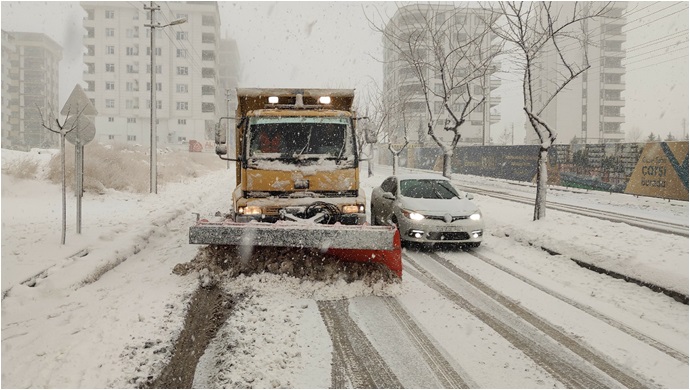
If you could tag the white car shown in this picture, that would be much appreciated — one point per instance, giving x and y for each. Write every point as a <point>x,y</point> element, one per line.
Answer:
<point>426,208</point>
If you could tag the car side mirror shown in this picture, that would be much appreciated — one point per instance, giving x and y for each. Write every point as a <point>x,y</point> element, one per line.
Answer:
<point>388,195</point>
<point>469,196</point>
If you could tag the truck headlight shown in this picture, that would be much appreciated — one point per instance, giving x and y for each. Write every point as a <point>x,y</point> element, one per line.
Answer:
<point>353,208</point>
<point>476,216</point>
<point>249,210</point>
<point>412,215</point>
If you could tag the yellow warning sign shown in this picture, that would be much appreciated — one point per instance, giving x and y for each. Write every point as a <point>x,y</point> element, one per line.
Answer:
<point>661,171</point>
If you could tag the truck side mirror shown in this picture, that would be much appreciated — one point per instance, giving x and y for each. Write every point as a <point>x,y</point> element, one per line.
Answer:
<point>369,136</point>
<point>221,140</point>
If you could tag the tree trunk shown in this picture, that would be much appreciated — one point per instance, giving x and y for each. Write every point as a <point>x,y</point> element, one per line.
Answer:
<point>446,164</point>
<point>370,168</point>
<point>395,164</point>
<point>64,187</point>
<point>542,177</point>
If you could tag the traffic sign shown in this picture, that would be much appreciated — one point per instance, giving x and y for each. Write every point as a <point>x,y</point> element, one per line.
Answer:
<point>83,130</point>
<point>78,104</point>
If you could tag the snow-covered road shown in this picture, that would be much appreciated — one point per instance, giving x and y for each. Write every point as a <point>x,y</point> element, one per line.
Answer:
<point>508,314</point>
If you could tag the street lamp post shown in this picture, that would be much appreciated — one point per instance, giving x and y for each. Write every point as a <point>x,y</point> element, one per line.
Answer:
<point>153,188</point>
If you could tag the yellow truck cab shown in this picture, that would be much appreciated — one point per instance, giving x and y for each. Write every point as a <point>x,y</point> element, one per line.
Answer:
<point>296,157</point>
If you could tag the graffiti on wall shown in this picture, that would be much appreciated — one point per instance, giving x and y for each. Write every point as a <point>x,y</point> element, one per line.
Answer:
<point>656,169</point>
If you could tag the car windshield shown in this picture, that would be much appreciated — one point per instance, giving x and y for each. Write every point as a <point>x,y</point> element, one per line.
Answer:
<point>427,189</point>
<point>300,137</point>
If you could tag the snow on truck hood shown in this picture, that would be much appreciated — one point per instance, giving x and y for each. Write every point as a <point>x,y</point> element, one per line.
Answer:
<point>453,206</point>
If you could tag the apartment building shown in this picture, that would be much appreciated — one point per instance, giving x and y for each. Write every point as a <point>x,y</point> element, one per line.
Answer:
<point>589,110</point>
<point>401,83</point>
<point>30,69</point>
<point>190,86</point>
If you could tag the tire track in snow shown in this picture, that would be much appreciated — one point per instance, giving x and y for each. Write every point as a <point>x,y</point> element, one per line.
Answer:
<point>356,363</point>
<point>445,373</point>
<point>678,355</point>
<point>539,341</point>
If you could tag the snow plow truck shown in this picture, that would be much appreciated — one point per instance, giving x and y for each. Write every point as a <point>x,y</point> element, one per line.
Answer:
<point>297,176</point>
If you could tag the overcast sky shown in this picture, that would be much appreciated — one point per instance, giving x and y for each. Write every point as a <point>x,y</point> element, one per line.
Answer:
<point>330,44</point>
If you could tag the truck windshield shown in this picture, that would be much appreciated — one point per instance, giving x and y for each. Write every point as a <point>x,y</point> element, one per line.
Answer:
<point>300,138</point>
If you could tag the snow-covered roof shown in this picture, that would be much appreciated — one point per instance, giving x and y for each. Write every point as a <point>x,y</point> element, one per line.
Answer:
<point>421,176</point>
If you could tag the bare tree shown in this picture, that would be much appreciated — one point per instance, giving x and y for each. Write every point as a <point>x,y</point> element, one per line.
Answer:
<point>450,55</point>
<point>69,124</point>
<point>541,30</point>
<point>371,127</point>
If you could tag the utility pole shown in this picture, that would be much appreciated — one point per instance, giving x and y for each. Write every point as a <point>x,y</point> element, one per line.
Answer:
<point>153,188</point>
<point>153,184</point>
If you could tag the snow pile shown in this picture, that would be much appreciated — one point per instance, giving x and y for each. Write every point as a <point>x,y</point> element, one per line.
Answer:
<point>216,263</point>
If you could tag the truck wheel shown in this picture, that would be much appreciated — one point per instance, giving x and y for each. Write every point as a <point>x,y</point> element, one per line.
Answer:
<point>373,218</point>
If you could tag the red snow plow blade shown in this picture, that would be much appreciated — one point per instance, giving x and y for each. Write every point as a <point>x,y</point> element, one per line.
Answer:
<point>353,243</point>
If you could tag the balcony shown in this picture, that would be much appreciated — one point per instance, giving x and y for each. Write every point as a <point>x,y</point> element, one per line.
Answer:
<point>613,53</point>
<point>495,118</point>
<point>614,119</point>
<point>616,70</point>
<point>494,101</point>
<point>620,102</point>
<point>494,84</point>
<point>615,87</point>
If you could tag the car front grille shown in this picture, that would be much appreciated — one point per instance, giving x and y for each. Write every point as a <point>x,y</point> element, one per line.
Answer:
<point>448,236</point>
<point>442,218</point>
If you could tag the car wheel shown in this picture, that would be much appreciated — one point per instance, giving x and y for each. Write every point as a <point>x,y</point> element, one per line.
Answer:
<point>372,213</point>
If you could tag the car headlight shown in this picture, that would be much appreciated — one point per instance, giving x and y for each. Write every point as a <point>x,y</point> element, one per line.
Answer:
<point>353,208</point>
<point>476,216</point>
<point>412,215</point>
<point>249,210</point>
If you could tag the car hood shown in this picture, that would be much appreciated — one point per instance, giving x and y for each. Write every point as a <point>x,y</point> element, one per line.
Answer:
<point>454,206</point>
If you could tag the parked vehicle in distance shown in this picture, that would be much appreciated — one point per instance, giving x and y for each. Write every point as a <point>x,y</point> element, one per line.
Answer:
<point>426,208</point>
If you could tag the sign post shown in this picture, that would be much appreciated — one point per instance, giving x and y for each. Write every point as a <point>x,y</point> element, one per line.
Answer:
<point>80,114</point>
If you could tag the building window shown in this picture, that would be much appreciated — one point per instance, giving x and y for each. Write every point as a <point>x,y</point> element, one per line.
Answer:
<point>208,107</point>
<point>182,35</point>
<point>111,119</point>
<point>159,105</point>
<point>182,16</point>
<point>110,103</point>
<point>159,69</point>
<point>181,139</point>
<point>109,86</point>
<point>208,38</point>
<point>158,51</point>
<point>182,70</point>
<point>111,137</point>
<point>89,32</point>
<point>182,106</point>
<point>109,14</point>
<point>159,86</point>
<point>110,67</point>
<point>208,55</point>
<point>110,49</point>
<point>89,14</point>
<point>181,121</point>
<point>91,86</point>
<point>208,90</point>
<point>131,120</point>
<point>208,20</point>
<point>90,50</point>
<point>182,88</point>
<point>131,138</point>
<point>132,51</point>
<point>208,73</point>
<point>132,86</point>
<point>109,32</point>
<point>181,53</point>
